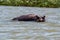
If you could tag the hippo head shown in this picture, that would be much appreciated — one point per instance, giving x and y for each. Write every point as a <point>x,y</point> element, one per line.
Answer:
<point>41,19</point>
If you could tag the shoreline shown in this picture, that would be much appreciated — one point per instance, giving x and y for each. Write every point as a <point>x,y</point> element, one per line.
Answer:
<point>25,6</point>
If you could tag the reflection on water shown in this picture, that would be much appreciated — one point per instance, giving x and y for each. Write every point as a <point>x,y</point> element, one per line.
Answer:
<point>14,30</point>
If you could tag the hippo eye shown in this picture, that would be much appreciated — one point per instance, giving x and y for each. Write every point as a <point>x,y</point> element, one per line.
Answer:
<point>43,17</point>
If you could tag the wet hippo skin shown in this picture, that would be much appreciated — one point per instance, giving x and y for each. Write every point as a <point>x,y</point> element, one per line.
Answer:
<point>30,17</point>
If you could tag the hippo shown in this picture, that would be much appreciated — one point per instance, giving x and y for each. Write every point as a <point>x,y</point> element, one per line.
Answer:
<point>30,17</point>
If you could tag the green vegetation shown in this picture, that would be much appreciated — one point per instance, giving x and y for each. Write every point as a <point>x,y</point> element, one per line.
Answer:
<point>33,3</point>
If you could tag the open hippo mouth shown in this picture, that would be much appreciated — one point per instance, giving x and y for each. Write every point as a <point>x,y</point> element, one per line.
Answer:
<point>30,17</point>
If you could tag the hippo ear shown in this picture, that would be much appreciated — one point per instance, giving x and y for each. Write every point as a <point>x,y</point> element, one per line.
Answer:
<point>43,17</point>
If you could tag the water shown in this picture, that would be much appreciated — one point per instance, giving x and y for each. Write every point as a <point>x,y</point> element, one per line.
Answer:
<point>15,30</point>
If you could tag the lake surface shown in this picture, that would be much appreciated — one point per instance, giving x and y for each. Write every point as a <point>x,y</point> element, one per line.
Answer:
<point>15,30</point>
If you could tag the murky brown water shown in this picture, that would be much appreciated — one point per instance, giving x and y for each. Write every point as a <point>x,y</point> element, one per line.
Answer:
<point>14,30</point>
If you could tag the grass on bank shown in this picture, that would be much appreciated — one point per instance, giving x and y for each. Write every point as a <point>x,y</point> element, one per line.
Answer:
<point>32,3</point>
